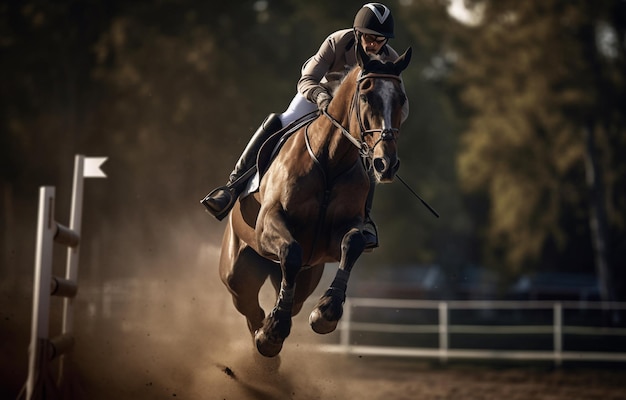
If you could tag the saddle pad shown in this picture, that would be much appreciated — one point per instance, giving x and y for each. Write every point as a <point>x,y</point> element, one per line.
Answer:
<point>270,149</point>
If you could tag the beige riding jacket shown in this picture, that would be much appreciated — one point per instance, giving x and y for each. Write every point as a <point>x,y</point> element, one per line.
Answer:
<point>337,54</point>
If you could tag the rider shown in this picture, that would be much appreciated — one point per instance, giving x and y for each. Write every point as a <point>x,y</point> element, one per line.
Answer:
<point>373,27</point>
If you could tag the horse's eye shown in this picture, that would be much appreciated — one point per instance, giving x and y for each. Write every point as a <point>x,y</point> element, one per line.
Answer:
<point>363,98</point>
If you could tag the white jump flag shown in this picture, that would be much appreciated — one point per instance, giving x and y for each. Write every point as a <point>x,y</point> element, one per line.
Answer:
<point>92,166</point>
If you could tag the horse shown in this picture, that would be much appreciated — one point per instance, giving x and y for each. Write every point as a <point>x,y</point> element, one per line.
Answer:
<point>310,206</point>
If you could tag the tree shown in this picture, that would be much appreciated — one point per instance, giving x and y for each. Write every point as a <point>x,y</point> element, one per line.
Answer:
<point>543,84</point>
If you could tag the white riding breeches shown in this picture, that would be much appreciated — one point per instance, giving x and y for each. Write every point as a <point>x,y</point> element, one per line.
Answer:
<point>298,108</point>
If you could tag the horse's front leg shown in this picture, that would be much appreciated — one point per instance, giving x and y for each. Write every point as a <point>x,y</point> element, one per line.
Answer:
<point>329,309</point>
<point>276,239</point>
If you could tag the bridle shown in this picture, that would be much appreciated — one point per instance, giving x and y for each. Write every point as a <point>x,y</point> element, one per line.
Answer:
<point>387,134</point>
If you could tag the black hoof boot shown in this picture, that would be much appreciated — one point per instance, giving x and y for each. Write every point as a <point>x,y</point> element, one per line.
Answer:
<point>371,235</point>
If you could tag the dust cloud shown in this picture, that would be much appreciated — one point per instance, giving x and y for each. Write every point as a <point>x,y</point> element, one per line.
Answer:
<point>171,333</point>
<point>158,323</point>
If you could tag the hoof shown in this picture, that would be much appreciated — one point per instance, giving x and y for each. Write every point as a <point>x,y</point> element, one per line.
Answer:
<point>321,325</point>
<point>267,346</point>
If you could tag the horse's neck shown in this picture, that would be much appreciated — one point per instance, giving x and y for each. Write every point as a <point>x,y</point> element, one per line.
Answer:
<point>345,112</point>
<point>335,153</point>
<point>328,141</point>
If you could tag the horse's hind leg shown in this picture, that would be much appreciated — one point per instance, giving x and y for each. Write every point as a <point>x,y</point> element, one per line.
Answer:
<point>329,309</point>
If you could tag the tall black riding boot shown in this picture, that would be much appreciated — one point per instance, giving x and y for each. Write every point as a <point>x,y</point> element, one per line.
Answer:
<point>220,201</point>
<point>369,228</point>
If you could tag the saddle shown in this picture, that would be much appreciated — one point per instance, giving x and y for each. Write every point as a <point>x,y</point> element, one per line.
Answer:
<point>270,148</point>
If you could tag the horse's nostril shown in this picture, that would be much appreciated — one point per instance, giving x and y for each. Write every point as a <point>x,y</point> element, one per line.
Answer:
<point>380,164</point>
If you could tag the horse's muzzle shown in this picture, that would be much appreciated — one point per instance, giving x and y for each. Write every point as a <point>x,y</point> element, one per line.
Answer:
<point>385,170</point>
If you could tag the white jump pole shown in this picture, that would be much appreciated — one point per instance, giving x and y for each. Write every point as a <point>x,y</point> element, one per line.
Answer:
<point>71,269</point>
<point>41,288</point>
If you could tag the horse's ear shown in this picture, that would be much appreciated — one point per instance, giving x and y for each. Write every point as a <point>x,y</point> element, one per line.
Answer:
<point>361,56</point>
<point>403,61</point>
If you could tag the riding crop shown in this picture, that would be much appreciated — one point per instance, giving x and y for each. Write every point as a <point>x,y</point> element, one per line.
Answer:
<point>432,210</point>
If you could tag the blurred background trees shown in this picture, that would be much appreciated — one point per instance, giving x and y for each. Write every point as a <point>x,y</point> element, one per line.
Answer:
<point>543,87</point>
<point>515,136</point>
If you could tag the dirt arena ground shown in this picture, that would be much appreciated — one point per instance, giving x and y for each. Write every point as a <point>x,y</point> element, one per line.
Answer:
<point>174,334</point>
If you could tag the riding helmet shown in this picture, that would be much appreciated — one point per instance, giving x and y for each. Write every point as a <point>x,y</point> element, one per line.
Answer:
<point>374,19</point>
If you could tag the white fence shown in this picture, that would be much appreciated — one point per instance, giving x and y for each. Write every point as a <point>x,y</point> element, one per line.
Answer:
<point>445,327</point>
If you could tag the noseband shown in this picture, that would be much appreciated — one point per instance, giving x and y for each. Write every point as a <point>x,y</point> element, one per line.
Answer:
<point>386,134</point>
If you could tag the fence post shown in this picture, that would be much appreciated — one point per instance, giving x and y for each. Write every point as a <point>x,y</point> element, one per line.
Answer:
<point>443,332</point>
<point>558,333</point>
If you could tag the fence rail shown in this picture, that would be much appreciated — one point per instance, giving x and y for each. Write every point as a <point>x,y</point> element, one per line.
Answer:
<point>444,328</point>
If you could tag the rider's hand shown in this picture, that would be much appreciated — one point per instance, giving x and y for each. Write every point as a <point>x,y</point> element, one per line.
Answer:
<point>322,100</point>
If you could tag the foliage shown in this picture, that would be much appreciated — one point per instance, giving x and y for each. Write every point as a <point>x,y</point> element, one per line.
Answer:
<point>533,76</point>
<point>171,90</point>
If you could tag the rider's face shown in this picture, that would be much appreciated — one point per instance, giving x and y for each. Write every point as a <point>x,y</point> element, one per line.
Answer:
<point>372,43</point>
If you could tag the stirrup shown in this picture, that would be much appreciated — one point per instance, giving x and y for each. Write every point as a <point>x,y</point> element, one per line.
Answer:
<point>219,215</point>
